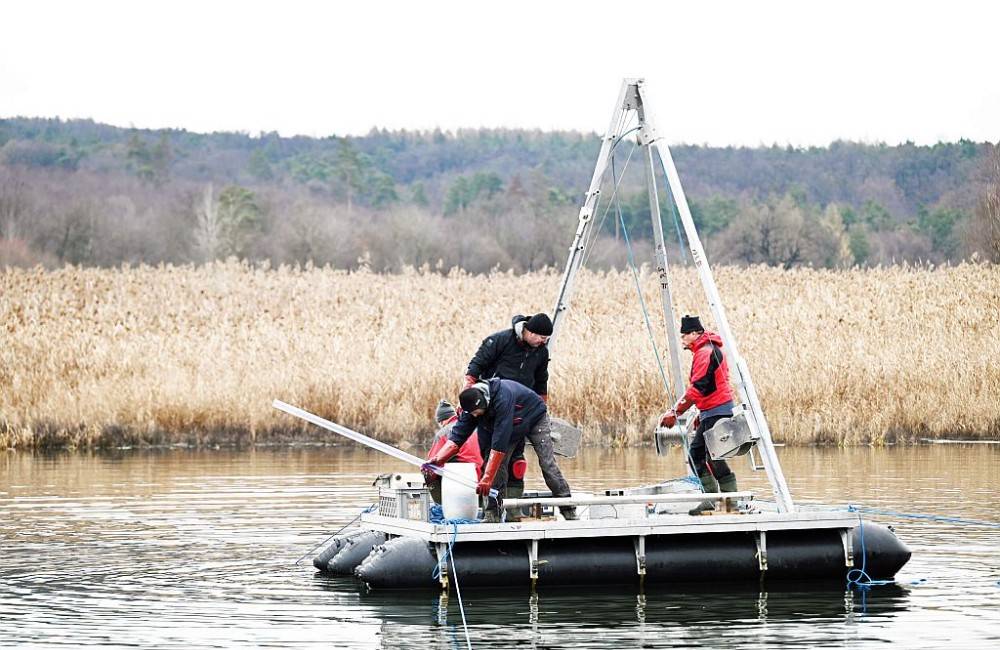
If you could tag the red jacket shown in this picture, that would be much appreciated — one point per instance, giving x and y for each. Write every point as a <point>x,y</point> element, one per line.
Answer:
<point>467,453</point>
<point>709,373</point>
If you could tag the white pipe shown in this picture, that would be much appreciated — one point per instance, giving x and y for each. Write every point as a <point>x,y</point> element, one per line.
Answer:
<point>373,443</point>
<point>626,498</point>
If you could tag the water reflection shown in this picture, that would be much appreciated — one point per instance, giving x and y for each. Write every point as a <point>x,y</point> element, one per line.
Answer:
<point>181,548</point>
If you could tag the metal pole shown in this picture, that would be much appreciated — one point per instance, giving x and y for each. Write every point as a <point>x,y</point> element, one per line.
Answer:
<point>673,337</point>
<point>586,222</point>
<point>745,385</point>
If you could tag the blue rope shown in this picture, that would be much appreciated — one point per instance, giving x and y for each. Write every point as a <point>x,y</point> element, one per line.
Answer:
<point>908,515</point>
<point>437,517</point>
<point>860,578</point>
<point>673,209</point>
<point>638,290</point>
<point>436,574</point>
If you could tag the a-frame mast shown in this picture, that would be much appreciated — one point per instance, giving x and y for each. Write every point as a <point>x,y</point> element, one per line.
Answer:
<point>632,98</point>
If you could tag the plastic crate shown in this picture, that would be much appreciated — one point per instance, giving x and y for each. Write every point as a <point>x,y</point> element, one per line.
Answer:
<point>405,503</point>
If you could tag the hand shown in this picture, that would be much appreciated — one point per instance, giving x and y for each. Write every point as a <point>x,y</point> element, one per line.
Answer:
<point>668,419</point>
<point>430,476</point>
<point>469,381</point>
<point>493,464</point>
<point>443,455</point>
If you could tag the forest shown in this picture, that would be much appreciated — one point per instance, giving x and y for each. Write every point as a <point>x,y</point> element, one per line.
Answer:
<point>82,193</point>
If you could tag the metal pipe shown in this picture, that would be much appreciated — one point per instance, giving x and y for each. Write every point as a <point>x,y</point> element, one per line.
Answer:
<point>377,445</point>
<point>625,499</point>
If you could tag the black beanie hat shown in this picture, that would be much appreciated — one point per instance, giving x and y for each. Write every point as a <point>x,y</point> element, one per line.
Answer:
<point>444,411</point>
<point>473,398</point>
<point>691,324</point>
<point>539,324</point>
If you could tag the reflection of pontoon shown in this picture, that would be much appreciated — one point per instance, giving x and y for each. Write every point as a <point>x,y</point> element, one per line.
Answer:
<point>632,534</point>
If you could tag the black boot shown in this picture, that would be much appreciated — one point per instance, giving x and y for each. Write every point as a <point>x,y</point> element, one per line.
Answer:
<point>568,513</point>
<point>708,485</point>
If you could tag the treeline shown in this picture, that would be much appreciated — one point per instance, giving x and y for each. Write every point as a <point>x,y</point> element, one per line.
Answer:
<point>78,192</point>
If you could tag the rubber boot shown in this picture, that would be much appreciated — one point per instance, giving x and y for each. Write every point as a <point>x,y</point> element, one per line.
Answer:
<point>708,484</point>
<point>514,492</point>
<point>728,484</point>
<point>491,516</point>
<point>568,513</point>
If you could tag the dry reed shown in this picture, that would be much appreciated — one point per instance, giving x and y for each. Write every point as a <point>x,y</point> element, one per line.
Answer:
<point>195,355</point>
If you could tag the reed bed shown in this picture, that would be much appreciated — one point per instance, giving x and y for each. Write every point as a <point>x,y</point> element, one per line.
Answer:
<point>195,355</point>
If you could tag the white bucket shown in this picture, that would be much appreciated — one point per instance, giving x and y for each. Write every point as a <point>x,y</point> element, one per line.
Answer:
<point>459,501</point>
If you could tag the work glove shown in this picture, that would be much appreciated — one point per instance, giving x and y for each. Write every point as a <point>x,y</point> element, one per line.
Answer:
<point>493,464</point>
<point>545,397</point>
<point>668,419</point>
<point>469,381</point>
<point>447,450</point>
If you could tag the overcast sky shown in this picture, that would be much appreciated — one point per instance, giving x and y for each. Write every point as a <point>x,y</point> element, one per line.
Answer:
<point>741,73</point>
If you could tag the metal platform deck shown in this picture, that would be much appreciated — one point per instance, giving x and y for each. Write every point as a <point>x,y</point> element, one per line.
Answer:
<point>654,525</point>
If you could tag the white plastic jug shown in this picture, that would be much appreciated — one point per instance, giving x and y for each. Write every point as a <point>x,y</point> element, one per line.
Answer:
<point>459,501</point>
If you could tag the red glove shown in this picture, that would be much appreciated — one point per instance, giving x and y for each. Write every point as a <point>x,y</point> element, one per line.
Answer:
<point>444,454</point>
<point>447,450</point>
<point>545,397</point>
<point>668,419</point>
<point>490,472</point>
<point>469,381</point>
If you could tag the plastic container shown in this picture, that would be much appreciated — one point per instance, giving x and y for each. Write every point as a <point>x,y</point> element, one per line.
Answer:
<point>459,501</point>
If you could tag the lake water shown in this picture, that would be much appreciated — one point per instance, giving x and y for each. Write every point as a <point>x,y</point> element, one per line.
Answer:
<point>186,549</point>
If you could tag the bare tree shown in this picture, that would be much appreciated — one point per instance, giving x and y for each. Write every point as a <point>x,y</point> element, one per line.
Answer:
<point>984,234</point>
<point>13,206</point>
<point>208,230</point>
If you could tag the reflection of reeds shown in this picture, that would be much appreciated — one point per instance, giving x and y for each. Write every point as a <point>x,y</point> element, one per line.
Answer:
<point>197,354</point>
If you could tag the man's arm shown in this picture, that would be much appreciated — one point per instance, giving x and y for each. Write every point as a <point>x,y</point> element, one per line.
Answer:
<point>484,362</point>
<point>542,377</point>
<point>463,428</point>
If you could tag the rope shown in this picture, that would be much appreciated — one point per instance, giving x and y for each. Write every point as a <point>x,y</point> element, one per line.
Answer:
<point>685,254</point>
<point>861,578</point>
<point>908,515</point>
<point>642,301</point>
<point>614,194</point>
<point>436,574</point>
<point>342,528</point>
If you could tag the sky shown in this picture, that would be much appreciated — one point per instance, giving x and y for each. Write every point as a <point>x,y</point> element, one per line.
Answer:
<point>720,73</point>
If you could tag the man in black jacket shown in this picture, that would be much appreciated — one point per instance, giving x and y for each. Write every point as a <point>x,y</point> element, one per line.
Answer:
<point>504,412</point>
<point>521,354</point>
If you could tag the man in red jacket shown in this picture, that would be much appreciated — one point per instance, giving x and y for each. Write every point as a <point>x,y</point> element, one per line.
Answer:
<point>446,417</point>
<point>710,392</point>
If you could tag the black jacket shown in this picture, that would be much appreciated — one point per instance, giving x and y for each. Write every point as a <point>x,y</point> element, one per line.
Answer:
<point>513,412</point>
<point>505,356</point>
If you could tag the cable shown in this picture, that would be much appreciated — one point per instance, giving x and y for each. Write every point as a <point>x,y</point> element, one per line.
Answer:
<point>436,574</point>
<point>342,528</point>
<point>862,580</point>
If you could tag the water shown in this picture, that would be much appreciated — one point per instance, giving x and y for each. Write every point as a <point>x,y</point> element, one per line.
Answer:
<point>185,549</point>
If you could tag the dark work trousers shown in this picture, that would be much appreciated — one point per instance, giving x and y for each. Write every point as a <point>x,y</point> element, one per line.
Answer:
<point>699,453</point>
<point>541,439</point>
